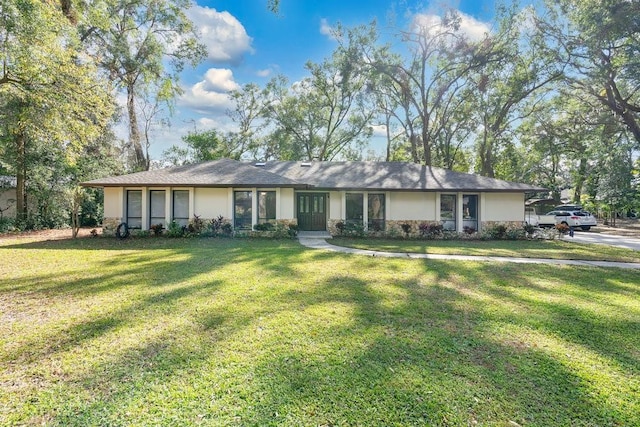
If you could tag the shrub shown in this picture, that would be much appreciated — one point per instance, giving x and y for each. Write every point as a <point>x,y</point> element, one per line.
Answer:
<point>265,226</point>
<point>406,228</point>
<point>496,232</point>
<point>430,230</point>
<point>292,230</point>
<point>340,226</point>
<point>354,229</point>
<point>175,230</point>
<point>196,225</point>
<point>156,229</point>
<point>468,230</point>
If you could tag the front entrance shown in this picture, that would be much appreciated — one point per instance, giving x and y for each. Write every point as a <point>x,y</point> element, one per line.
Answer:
<point>312,211</point>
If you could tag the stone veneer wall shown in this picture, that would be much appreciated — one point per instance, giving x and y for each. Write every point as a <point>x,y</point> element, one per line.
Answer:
<point>394,227</point>
<point>109,226</point>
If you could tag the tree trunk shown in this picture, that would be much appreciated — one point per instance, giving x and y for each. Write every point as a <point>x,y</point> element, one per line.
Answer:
<point>426,146</point>
<point>140,160</point>
<point>21,177</point>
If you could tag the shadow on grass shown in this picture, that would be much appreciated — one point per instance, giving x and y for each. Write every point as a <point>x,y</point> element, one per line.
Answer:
<point>268,333</point>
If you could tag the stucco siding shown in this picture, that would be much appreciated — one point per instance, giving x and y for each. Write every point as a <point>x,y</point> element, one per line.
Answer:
<point>335,205</point>
<point>503,207</point>
<point>210,203</point>
<point>287,202</point>
<point>412,206</point>
<point>113,202</point>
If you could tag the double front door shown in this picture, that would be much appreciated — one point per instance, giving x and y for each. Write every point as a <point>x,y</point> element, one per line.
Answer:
<point>312,211</point>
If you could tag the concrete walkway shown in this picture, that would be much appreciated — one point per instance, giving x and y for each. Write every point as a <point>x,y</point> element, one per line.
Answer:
<point>320,242</point>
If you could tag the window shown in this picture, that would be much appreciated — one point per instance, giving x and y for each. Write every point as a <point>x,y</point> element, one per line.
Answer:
<point>448,211</point>
<point>354,208</point>
<point>470,213</point>
<point>376,212</point>
<point>242,214</point>
<point>266,206</point>
<point>181,207</point>
<point>134,208</point>
<point>156,207</point>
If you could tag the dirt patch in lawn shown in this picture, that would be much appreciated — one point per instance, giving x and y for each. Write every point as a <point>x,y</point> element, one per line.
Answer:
<point>43,235</point>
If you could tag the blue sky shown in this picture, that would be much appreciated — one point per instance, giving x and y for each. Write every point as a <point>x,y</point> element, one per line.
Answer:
<point>247,43</point>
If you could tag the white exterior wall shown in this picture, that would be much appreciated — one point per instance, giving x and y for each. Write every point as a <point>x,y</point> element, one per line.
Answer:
<point>411,206</point>
<point>113,202</point>
<point>209,203</point>
<point>286,204</point>
<point>502,207</point>
<point>336,205</point>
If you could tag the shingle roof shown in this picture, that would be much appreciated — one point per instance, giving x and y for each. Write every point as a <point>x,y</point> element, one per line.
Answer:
<point>319,175</point>
<point>216,173</point>
<point>389,176</point>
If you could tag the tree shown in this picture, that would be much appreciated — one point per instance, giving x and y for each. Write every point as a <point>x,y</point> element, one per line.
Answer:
<point>325,114</point>
<point>148,43</point>
<point>50,93</point>
<point>425,81</point>
<point>602,43</point>
<point>201,146</point>
<point>502,90</point>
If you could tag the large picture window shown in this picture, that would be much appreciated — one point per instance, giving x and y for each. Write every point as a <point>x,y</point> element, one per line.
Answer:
<point>134,208</point>
<point>266,206</point>
<point>156,207</point>
<point>354,208</point>
<point>448,211</point>
<point>376,212</point>
<point>242,212</point>
<point>181,207</point>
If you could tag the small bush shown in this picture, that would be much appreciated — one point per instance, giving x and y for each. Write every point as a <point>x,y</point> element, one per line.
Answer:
<point>496,232</point>
<point>156,229</point>
<point>340,226</point>
<point>196,225</point>
<point>430,230</point>
<point>292,230</point>
<point>266,226</point>
<point>175,230</point>
<point>406,228</point>
<point>468,230</point>
<point>354,229</point>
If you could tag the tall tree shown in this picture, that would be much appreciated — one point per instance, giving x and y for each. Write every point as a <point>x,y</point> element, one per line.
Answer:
<point>425,79</point>
<point>501,92</point>
<point>147,44</point>
<point>601,38</point>
<point>325,114</point>
<point>50,92</point>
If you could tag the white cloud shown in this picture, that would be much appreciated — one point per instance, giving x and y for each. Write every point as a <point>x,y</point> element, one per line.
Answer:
<point>224,36</point>
<point>211,94</point>
<point>433,25</point>
<point>264,73</point>
<point>379,130</point>
<point>326,29</point>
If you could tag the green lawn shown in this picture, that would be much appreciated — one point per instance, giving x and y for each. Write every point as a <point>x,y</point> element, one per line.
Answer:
<point>254,333</point>
<point>555,249</point>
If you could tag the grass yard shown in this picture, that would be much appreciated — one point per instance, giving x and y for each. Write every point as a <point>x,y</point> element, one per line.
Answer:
<point>257,333</point>
<point>555,249</point>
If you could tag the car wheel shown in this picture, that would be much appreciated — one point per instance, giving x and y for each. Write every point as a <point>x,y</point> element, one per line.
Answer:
<point>586,227</point>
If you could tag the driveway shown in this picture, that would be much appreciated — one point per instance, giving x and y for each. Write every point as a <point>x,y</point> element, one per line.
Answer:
<point>606,239</point>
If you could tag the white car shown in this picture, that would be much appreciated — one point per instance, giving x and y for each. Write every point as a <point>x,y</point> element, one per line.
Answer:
<point>575,219</point>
